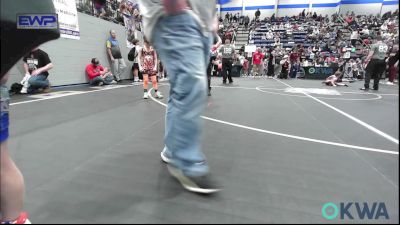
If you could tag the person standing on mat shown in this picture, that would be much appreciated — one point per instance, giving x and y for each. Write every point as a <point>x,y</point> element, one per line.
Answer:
<point>375,63</point>
<point>228,53</point>
<point>148,67</point>
<point>181,32</point>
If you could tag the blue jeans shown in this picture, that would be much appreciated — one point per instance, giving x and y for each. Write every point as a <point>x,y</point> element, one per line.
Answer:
<point>185,52</point>
<point>37,82</point>
<point>99,79</point>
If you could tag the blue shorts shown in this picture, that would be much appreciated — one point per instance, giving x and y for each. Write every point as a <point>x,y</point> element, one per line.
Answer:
<point>4,108</point>
<point>4,126</point>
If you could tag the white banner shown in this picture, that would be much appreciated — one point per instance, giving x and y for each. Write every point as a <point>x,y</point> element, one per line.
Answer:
<point>67,18</point>
<point>250,48</point>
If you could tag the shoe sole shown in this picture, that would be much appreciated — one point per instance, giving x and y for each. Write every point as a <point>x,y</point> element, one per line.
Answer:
<point>165,159</point>
<point>187,183</point>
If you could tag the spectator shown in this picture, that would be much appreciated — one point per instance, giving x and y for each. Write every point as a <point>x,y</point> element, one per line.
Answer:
<point>367,41</point>
<point>37,64</point>
<point>114,53</point>
<point>246,22</point>
<point>365,32</point>
<point>285,67</point>
<point>98,75</point>
<point>354,37</point>
<point>258,56</point>
<point>133,56</point>
<point>99,9</point>
<point>258,14</point>
<point>393,63</point>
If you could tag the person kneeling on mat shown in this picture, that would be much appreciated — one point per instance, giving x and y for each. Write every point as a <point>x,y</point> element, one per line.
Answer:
<point>98,75</point>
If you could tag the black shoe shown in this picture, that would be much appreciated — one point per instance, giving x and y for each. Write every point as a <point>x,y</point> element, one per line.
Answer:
<point>230,82</point>
<point>364,89</point>
<point>223,82</point>
<point>376,89</point>
<point>201,185</point>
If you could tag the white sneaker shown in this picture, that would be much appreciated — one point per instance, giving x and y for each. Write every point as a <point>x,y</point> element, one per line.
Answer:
<point>24,90</point>
<point>389,83</point>
<point>146,95</point>
<point>164,157</point>
<point>101,84</point>
<point>113,82</point>
<point>159,95</point>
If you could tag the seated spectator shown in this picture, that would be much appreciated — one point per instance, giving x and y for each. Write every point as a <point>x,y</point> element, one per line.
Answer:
<point>270,35</point>
<point>393,63</point>
<point>98,75</point>
<point>365,31</point>
<point>99,9</point>
<point>367,41</point>
<point>354,38</point>
<point>37,64</point>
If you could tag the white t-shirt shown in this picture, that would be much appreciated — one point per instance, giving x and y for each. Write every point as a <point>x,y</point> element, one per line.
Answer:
<point>354,36</point>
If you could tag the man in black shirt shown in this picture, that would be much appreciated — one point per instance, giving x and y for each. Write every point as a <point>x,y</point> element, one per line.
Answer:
<point>258,14</point>
<point>37,64</point>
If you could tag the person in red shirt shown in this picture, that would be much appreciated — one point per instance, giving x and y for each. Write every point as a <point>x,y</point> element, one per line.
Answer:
<point>258,56</point>
<point>294,62</point>
<point>98,75</point>
<point>367,41</point>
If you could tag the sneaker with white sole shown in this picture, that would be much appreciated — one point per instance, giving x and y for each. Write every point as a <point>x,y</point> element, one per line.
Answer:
<point>22,219</point>
<point>159,95</point>
<point>113,82</point>
<point>24,90</point>
<point>164,157</point>
<point>389,83</point>
<point>146,95</point>
<point>200,185</point>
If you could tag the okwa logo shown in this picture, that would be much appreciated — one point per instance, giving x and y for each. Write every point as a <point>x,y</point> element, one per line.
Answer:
<point>350,210</point>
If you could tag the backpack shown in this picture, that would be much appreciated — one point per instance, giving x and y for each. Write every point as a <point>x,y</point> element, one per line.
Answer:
<point>132,54</point>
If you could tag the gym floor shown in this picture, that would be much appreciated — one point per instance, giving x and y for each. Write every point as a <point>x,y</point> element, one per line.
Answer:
<point>280,149</point>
